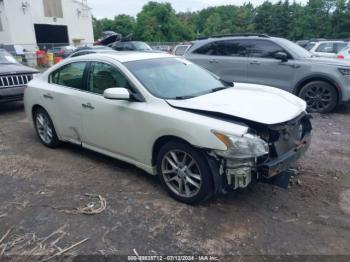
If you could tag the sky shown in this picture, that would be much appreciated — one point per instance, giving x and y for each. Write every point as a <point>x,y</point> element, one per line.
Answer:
<point>110,8</point>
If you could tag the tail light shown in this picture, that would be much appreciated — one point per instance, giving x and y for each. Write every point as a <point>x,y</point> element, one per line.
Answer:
<point>340,57</point>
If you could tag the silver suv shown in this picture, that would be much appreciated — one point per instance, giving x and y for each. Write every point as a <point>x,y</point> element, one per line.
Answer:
<point>259,59</point>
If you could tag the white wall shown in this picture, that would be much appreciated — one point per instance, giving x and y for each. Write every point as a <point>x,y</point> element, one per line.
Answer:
<point>20,23</point>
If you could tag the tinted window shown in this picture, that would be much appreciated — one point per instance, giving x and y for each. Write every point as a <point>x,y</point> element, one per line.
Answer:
<point>325,48</point>
<point>224,48</point>
<point>263,48</point>
<point>118,46</point>
<point>103,76</point>
<point>128,46</point>
<point>339,47</point>
<point>309,46</point>
<point>70,75</point>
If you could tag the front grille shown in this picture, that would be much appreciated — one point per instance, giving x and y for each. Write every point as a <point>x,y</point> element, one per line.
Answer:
<point>15,80</point>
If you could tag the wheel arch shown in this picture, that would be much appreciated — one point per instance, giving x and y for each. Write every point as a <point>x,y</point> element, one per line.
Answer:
<point>320,77</point>
<point>161,141</point>
<point>35,108</point>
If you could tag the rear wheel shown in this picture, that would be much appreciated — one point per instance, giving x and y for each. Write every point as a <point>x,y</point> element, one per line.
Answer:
<point>320,96</point>
<point>45,129</point>
<point>184,172</point>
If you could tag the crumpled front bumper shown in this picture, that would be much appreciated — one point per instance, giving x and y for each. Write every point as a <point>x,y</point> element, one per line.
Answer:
<point>275,166</point>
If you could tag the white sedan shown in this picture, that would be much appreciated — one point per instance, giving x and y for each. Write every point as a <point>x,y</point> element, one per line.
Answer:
<point>170,118</point>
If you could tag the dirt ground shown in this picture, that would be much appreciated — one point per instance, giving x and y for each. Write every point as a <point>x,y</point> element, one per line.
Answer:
<point>38,185</point>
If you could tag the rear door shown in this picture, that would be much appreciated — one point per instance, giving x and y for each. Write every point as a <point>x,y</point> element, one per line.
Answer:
<point>264,69</point>
<point>63,100</point>
<point>225,58</point>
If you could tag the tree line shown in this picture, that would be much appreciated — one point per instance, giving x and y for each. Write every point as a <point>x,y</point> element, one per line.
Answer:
<point>159,22</point>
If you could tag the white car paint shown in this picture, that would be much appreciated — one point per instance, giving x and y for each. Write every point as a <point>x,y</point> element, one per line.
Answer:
<point>245,100</point>
<point>128,130</point>
<point>344,53</point>
<point>327,48</point>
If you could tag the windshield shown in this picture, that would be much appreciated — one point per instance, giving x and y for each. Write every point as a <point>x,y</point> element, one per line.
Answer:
<point>142,46</point>
<point>294,48</point>
<point>7,58</point>
<point>173,78</point>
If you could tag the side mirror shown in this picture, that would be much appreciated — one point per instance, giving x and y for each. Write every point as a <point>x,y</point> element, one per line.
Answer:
<point>117,93</point>
<point>281,56</point>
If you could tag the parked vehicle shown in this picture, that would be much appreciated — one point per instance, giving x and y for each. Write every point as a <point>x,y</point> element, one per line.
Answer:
<point>61,51</point>
<point>326,48</point>
<point>108,38</point>
<point>131,46</point>
<point>13,77</point>
<point>259,59</point>
<point>303,43</point>
<point>91,50</point>
<point>344,53</point>
<point>180,50</point>
<point>170,117</point>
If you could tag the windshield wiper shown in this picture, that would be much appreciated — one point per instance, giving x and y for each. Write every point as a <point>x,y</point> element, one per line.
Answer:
<point>183,97</point>
<point>219,88</point>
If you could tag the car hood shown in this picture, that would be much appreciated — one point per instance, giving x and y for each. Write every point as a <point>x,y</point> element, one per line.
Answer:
<point>329,61</point>
<point>10,69</point>
<point>261,104</point>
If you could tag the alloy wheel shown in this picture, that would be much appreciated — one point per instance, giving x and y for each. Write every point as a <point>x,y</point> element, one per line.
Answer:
<point>181,173</point>
<point>44,128</point>
<point>318,98</point>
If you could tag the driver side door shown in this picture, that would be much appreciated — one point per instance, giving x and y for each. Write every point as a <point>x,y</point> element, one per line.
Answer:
<point>111,127</point>
<point>264,69</point>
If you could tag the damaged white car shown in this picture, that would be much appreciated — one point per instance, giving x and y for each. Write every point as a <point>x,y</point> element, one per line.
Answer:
<point>171,118</point>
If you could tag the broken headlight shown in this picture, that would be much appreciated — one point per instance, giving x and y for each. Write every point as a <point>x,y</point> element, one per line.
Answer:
<point>241,147</point>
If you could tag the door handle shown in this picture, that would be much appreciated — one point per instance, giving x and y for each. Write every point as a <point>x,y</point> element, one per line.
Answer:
<point>255,63</point>
<point>212,61</point>
<point>48,96</point>
<point>88,105</point>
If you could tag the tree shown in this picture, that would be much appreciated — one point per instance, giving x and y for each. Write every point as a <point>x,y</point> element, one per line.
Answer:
<point>157,22</point>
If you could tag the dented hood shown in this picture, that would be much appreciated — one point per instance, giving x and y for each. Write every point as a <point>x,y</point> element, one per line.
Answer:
<point>262,104</point>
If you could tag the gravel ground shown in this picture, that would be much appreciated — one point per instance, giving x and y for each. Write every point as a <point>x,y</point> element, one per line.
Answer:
<point>38,186</point>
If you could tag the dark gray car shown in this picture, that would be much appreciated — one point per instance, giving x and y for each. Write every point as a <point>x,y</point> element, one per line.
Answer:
<point>13,77</point>
<point>259,59</point>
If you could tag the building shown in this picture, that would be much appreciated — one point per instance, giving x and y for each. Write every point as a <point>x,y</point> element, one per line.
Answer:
<point>32,23</point>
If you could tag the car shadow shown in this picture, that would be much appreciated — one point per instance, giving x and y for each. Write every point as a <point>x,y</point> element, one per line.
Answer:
<point>11,107</point>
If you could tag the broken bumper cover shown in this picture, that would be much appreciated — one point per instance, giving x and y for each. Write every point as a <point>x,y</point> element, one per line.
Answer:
<point>283,162</point>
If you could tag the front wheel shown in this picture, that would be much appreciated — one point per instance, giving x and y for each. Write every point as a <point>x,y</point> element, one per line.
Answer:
<point>45,129</point>
<point>320,96</point>
<point>184,172</point>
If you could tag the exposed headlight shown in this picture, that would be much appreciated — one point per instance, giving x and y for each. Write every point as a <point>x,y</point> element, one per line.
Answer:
<point>344,71</point>
<point>241,147</point>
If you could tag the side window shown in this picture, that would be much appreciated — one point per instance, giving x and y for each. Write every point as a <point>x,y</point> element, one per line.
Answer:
<point>224,48</point>
<point>119,46</point>
<point>128,46</point>
<point>325,48</point>
<point>231,48</point>
<point>103,76</point>
<point>263,48</point>
<point>208,49</point>
<point>70,75</point>
<point>339,47</point>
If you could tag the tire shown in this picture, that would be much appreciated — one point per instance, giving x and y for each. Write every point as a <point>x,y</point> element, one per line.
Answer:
<point>320,96</point>
<point>190,167</point>
<point>45,128</point>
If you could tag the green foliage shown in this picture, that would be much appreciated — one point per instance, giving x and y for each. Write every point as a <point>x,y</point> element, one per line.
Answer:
<point>158,22</point>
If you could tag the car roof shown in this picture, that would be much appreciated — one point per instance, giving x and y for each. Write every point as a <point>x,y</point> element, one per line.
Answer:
<point>124,57</point>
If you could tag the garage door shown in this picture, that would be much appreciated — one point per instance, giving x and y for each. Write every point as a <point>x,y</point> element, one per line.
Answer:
<point>48,34</point>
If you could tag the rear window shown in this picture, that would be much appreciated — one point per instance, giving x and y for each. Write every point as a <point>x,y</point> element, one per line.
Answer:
<point>70,75</point>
